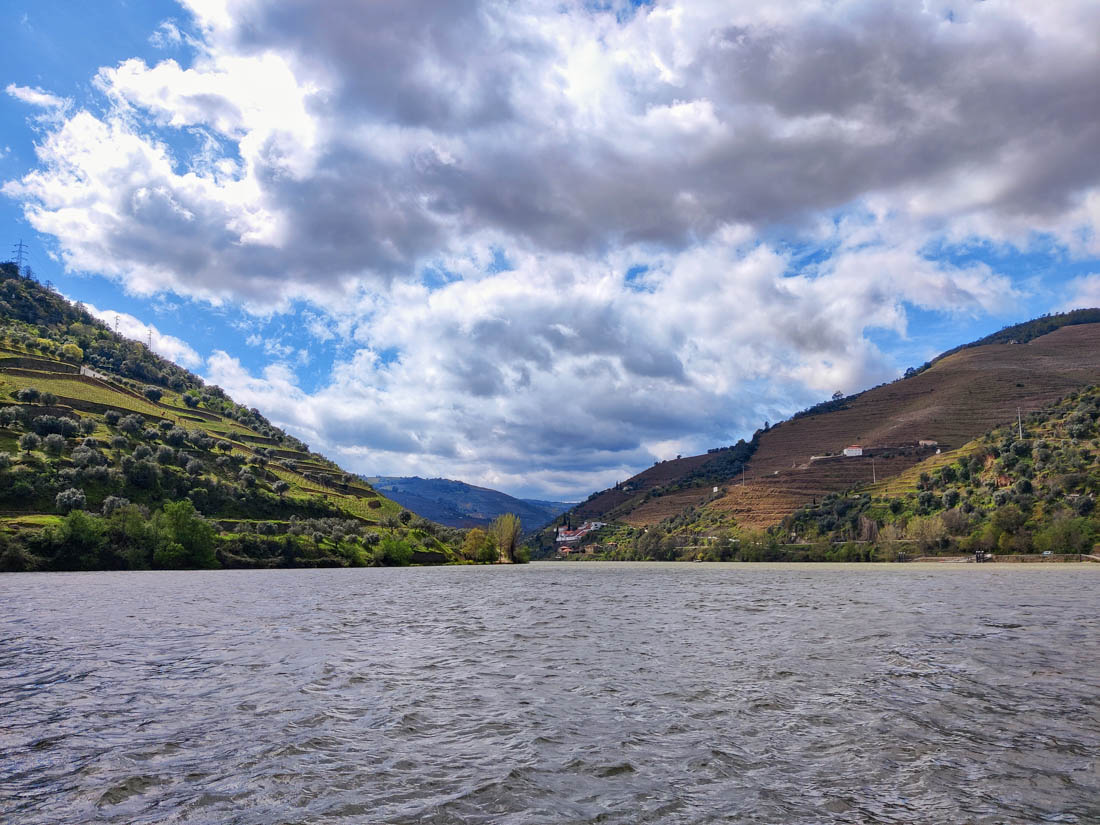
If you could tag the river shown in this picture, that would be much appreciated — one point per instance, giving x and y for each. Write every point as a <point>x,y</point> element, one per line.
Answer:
<point>553,693</point>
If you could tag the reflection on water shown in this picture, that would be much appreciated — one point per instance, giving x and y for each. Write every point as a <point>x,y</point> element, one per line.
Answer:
<point>552,693</point>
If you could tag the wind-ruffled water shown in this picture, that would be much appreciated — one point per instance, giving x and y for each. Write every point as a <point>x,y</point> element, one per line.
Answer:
<point>553,693</point>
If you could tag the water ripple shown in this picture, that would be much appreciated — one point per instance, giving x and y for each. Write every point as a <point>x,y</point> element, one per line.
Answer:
<point>552,694</point>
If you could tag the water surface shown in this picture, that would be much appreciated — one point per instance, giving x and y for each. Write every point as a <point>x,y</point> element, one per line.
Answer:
<point>553,693</point>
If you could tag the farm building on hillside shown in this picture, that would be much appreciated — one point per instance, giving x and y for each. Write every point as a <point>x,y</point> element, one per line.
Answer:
<point>567,536</point>
<point>854,450</point>
<point>927,442</point>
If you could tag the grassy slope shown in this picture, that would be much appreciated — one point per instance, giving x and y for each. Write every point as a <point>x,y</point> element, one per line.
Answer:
<point>224,439</point>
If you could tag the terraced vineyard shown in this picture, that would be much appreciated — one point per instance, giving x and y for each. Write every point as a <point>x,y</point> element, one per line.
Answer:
<point>955,399</point>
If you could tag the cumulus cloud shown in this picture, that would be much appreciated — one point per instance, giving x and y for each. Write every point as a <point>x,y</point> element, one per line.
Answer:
<point>561,235</point>
<point>1082,292</point>
<point>358,142</point>
<point>167,346</point>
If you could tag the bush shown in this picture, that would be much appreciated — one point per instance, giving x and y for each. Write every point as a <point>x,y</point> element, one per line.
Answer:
<point>69,500</point>
<point>152,393</point>
<point>184,538</point>
<point>391,552</point>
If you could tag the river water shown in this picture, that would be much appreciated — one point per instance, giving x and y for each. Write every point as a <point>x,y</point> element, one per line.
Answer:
<point>553,693</point>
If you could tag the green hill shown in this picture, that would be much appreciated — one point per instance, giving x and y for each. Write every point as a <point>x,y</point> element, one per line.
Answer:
<point>113,457</point>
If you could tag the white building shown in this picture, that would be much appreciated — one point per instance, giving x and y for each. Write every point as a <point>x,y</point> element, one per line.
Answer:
<point>854,450</point>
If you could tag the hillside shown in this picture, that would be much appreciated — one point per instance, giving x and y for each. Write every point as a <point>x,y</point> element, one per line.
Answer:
<point>457,504</point>
<point>1029,486</point>
<point>139,452</point>
<point>951,401</point>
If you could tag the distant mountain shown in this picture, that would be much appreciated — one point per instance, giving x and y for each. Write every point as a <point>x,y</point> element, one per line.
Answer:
<point>457,504</point>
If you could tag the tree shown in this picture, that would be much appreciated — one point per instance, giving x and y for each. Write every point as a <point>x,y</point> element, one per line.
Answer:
<point>473,544</point>
<point>29,442</point>
<point>280,487</point>
<point>184,538</point>
<point>928,532</point>
<point>71,352</point>
<point>54,444</point>
<point>132,424</point>
<point>152,393</point>
<point>1065,535</point>
<point>505,531</point>
<point>68,500</point>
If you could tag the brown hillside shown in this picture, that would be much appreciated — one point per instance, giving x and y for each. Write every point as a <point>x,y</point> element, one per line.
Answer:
<point>630,494</point>
<point>960,397</point>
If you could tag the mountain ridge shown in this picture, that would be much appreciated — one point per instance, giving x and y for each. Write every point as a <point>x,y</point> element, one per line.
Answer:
<point>460,504</point>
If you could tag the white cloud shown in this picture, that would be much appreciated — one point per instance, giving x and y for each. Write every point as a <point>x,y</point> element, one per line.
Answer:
<point>167,346</point>
<point>1082,292</point>
<point>37,97</point>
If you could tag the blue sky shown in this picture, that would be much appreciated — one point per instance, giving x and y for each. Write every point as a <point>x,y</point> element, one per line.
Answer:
<point>539,245</point>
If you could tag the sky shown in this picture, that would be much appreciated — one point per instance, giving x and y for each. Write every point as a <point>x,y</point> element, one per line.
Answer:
<point>539,245</point>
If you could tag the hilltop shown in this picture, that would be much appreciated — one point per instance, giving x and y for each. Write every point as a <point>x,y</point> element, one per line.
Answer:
<point>457,504</point>
<point>945,404</point>
<point>111,456</point>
